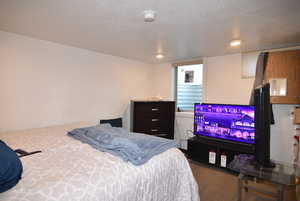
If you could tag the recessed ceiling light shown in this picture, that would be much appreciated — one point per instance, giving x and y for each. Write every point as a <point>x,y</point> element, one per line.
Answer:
<point>149,15</point>
<point>160,56</point>
<point>235,43</point>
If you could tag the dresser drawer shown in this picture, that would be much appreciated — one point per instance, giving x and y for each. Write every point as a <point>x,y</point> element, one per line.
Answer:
<point>160,133</point>
<point>148,110</point>
<point>153,122</point>
<point>154,109</point>
<point>155,131</point>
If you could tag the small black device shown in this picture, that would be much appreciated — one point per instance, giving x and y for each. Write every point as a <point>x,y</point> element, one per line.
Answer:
<point>21,153</point>
<point>262,125</point>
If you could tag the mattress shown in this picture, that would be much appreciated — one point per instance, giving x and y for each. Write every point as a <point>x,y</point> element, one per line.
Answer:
<point>70,170</point>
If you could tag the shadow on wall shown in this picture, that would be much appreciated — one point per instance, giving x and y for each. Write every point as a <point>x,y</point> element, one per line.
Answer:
<point>126,117</point>
<point>282,133</point>
<point>184,122</point>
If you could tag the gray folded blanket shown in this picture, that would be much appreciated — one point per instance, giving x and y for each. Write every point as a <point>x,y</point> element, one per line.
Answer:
<point>134,147</point>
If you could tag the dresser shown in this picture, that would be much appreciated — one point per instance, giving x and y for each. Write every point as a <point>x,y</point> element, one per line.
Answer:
<point>153,118</point>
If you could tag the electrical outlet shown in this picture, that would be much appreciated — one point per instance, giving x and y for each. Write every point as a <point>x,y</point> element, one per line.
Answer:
<point>292,113</point>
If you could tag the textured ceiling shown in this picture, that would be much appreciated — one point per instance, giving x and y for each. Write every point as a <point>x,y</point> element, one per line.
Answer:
<point>184,29</point>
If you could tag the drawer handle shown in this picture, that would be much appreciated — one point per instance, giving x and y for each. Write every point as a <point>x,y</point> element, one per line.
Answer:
<point>154,109</point>
<point>161,134</point>
<point>154,130</point>
<point>154,119</point>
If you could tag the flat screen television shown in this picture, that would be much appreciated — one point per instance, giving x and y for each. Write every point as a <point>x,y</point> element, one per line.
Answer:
<point>226,122</point>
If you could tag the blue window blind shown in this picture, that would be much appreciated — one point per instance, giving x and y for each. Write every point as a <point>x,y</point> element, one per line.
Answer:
<point>187,95</point>
<point>189,86</point>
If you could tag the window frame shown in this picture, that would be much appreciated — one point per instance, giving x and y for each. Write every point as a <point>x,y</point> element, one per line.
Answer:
<point>176,65</point>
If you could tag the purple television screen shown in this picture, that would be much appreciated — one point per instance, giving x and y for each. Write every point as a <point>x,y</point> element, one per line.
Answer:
<point>229,122</point>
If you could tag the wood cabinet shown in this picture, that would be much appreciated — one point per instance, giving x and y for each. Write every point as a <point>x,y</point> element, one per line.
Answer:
<point>285,64</point>
<point>153,118</point>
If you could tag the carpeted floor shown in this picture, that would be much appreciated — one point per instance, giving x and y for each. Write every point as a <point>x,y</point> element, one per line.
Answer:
<point>217,185</point>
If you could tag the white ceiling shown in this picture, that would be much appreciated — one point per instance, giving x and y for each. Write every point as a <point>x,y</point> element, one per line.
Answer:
<point>184,29</point>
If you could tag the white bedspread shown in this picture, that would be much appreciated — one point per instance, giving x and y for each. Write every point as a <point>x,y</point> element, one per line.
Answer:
<point>68,170</point>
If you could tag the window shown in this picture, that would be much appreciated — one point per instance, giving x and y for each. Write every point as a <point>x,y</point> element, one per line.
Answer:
<point>189,84</point>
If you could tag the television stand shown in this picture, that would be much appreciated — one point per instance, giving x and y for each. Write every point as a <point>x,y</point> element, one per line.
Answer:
<point>202,149</point>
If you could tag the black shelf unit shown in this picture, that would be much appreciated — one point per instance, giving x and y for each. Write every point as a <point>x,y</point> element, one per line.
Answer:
<point>199,147</point>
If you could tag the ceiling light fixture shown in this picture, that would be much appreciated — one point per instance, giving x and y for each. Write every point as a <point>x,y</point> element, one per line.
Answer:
<point>149,15</point>
<point>160,56</point>
<point>235,43</point>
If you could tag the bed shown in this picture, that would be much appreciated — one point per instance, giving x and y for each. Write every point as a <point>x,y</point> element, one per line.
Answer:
<point>70,170</point>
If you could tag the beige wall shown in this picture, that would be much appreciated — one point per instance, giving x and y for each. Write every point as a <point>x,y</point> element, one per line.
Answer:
<point>223,80</point>
<point>163,81</point>
<point>44,83</point>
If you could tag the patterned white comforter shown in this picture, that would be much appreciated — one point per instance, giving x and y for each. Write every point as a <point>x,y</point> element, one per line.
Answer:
<point>68,170</point>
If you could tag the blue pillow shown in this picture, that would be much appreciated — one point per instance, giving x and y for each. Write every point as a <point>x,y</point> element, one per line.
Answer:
<point>10,168</point>
<point>113,122</point>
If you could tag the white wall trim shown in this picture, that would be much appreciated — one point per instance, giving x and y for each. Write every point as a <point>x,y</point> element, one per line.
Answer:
<point>185,114</point>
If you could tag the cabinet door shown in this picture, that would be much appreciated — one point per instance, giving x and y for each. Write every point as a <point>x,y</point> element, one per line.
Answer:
<point>285,64</point>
